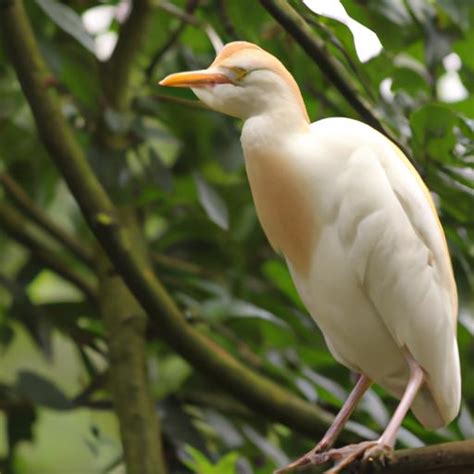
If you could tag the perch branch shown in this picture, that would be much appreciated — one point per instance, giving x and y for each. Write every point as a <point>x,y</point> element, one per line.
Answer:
<point>444,458</point>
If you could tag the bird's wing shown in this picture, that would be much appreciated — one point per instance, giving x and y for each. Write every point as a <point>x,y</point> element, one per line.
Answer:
<point>388,225</point>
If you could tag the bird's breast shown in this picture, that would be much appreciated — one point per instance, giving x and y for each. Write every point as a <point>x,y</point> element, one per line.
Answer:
<point>285,204</point>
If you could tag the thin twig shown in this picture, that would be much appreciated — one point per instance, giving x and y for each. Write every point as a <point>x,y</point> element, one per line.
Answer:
<point>116,72</point>
<point>342,50</point>
<point>28,207</point>
<point>194,21</point>
<point>226,20</point>
<point>96,383</point>
<point>17,227</point>
<point>178,264</point>
<point>171,40</point>
<point>194,104</point>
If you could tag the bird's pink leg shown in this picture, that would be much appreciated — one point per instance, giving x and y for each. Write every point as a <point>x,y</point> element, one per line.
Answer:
<point>363,383</point>
<point>381,449</point>
<point>414,383</point>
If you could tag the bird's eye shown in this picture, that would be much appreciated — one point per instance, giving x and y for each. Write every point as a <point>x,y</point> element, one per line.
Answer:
<point>239,73</point>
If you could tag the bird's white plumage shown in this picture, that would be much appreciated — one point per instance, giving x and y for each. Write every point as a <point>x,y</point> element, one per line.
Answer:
<point>356,225</point>
<point>380,278</point>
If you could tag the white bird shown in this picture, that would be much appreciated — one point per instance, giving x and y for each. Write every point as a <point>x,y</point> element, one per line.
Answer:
<point>361,237</point>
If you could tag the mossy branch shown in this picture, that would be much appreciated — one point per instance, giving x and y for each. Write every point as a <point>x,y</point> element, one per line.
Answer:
<point>123,317</point>
<point>125,323</point>
<point>456,457</point>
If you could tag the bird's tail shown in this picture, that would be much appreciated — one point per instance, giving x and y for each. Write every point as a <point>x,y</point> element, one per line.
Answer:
<point>438,401</point>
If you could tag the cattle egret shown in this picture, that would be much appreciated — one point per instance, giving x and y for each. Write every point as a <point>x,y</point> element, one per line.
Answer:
<point>361,237</point>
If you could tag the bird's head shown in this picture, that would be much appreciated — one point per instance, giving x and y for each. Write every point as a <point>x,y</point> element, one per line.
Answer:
<point>243,81</point>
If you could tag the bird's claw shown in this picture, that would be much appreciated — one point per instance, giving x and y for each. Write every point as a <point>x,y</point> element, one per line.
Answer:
<point>369,451</point>
<point>379,454</point>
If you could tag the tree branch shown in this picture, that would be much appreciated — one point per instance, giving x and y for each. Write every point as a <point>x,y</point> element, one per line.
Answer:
<point>172,38</point>
<point>141,104</point>
<point>211,33</point>
<point>258,392</point>
<point>451,457</point>
<point>126,323</point>
<point>17,227</point>
<point>296,26</point>
<point>116,71</point>
<point>124,319</point>
<point>24,202</point>
<point>444,458</point>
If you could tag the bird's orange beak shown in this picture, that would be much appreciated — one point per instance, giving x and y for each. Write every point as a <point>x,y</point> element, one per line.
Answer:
<point>202,78</point>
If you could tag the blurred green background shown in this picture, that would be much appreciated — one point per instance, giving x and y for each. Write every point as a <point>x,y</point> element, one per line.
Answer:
<point>179,168</point>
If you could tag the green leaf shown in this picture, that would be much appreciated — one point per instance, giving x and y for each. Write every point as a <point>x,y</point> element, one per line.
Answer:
<point>458,11</point>
<point>226,464</point>
<point>245,309</point>
<point>224,427</point>
<point>160,173</point>
<point>213,204</point>
<point>226,308</point>
<point>199,463</point>
<point>178,425</point>
<point>174,371</point>
<point>6,336</point>
<point>277,272</point>
<point>409,80</point>
<point>41,391</point>
<point>68,20</point>
<point>433,131</point>
<point>20,421</point>
<point>117,122</point>
<point>278,457</point>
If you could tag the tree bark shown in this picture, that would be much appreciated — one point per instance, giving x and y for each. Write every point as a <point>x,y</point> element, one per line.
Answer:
<point>125,324</point>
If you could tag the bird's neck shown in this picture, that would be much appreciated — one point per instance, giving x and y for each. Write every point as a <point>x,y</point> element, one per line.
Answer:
<point>271,146</point>
<point>266,130</point>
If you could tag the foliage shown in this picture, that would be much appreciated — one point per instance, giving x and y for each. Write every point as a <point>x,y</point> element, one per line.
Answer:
<point>180,168</point>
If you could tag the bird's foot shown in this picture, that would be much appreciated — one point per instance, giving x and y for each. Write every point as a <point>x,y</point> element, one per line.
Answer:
<point>380,454</point>
<point>369,451</point>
